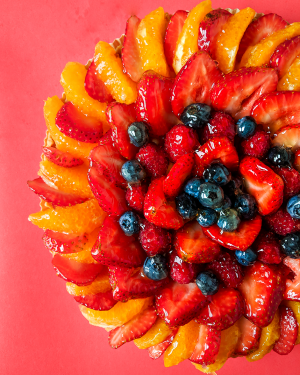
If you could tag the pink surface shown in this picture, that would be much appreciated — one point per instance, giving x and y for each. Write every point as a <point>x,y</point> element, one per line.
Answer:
<point>41,328</point>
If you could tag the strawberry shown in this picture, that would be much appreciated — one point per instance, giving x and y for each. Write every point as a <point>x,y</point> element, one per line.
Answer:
<point>135,196</point>
<point>154,159</point>
<point>95,87</point>
<point>194,82</point>
<point>288,136</point>
<point>240,239</point>
<point>193,246</point>
<point>264,184</point>
<point>268,248</point>
<point>154,240</point>
<point>100,301</point>
<point>220,125</point>
<point>236,92</point>
<point>282,223</point>
<point>131,60</point>
<point>74,124</point>
<point>207,347</point>
<point>153,104</point>
<point>297,160</point>
<point>249,337</point>
<point>288,331</point>
<point>257,145</point>
<point>177,303</point>
<point>158,210</point>
<point>107,139</point>
<point>225,308</point>
<point>291,179</point>
<point>180,271</point>
<point>284,55</point>
<point>158,350</point>
<point>134,329</point>
<point>292,287</point>
<point>53,195</point>
<point>262,289</point>
<point>64,243</point>
<point>114,248</point>
<point>172,34</point>
<point>63,159</point>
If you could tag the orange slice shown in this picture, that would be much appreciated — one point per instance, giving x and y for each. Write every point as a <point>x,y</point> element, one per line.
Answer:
<point>156,334</point>
<point>295,306</point>
<point>99,285</point>
<point>291,80</point>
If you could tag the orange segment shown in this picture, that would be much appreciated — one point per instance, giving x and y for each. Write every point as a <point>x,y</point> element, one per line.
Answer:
<point>291,80</point>
<point>78,219</point>
<point>228,41</point>
<point>156,334</point>
<point>295,306</point>
<point>187,43</point>
<point>110,70</point>
<point>99,285</point>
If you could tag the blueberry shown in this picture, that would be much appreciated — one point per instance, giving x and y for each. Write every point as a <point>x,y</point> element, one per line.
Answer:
<point>138,134</point>
<point>129,222</point>
<point>196,115</point>
<point>156,268</point>
<point>226,204</point>
<point>192,188</point>
<point>233,187</point>
<point>211,195</point>
<point>290,245</point>
<point>132,171</point>
<point>187,206</point>
<point>229,220</point>
<point>245,127</point>
<point>208,283</point>
<point>245,258</point>
<point>293,206</point>
<point>207,217</point>
<point>280,155</point>
<point>246,206</point>
<point>217,173</point>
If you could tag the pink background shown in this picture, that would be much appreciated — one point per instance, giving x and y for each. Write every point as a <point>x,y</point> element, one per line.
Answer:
<point>41,328</point>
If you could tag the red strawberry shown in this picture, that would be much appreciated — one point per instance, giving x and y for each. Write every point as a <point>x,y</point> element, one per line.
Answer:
<point>158,210</point>
<point>261,182</point>
<point>227,269</point>
<point>172,34</point>
<point>292,287</point>
<point>154,240</point>
<point>114,248</point>
<point>74,124</point>
<point>100,301</point>
<point>218,148</point>
<point>131,60</point>
<point>207,347</point>
<point>268,248</point>
<point>180,271</point>
<point>288,331</point>
<point>288,136</point>
<point>95,87</point>
<point>194,82</point>
<point>193,246</point>
<point>240,239</point>
<point>158,350</point>
<point>153,104</point>
<point>107,138</point>
<point>177,303</point>
<point>237,91</point>
<point>178,174</point>
<point>64,243</point>
<point>135,196</point>
<point>134,329</point>
<point>284,55</point>
<point>64,159</point>
<point>53,195</point>
<point>226,307</point>
<point>220,125</point>
<point>249,338</point>
<point>121,116</point>
<point>262,289</point>
<point>297,160</point>
<point>154,159</point>
<point>282,223</point>
<point>291,179</point>
<point>257,145</point>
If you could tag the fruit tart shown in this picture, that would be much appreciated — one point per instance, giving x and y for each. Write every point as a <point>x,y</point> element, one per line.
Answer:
<point>170,185</point>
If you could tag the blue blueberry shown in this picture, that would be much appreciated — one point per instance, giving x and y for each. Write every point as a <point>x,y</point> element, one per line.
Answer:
<point>132,171</point>
<point>245,258</point>
<point>211,195</point>
<point>193,187</point>
<point>187,206</point>
<point>207,217</point>
<point>290,245</point>
<point>138,134</point>
<point>217,173</point>
<point>156,268</point>
<point>233,188</point>
<point>245,127</point>
<point>208,283</point>
<point>196,115</point>
<point>245,204</point>
<point>226,204</point>
<point>293,206</point>
<point>280,155</point>
<point>229,220</point>
<point>129,222</point>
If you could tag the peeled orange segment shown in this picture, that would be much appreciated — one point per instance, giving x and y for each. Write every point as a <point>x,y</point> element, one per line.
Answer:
<point>291,80</point>
<point>78,219</point>
<point>187,43</point>
<point>295,306</point>
<point>156,334</point>
<point>150,36</point>
<point>99,285</point>
<point>229,38</point>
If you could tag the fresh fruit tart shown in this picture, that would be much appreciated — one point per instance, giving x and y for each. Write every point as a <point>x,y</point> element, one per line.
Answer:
<point>170,185</point>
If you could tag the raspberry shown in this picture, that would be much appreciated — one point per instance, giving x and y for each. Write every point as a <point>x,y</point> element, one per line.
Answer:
<point>268,248</point>
<point>135,196</point>
<point>181,271</point>
<point>154,159</point>
<point>180,140</point>
<point>282,223</point>
<point>153,239</point>
<point>257,145</point>
<point>291,179</point>
<point>221,125</point>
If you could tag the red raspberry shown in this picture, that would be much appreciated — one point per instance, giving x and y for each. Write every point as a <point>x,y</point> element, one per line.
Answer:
<point>291,179</point>
<point>181,271</point>
<point>268,248</point>
<point>282,223</point>
<point>221,125</point>
<point>154,159</point>
<point>135,196</point>
<point>257,145</point>
<point>154,240</point>
<point>180,140</point>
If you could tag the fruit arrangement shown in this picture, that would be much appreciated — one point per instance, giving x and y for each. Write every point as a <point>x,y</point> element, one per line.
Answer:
<point>170,185</point>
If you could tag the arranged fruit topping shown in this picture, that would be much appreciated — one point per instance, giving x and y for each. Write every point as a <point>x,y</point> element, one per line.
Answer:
<point>291,179</point>
<point>289,137</point>
<point>157,334</point>
<point>158,350</point>
<point>100,301</point>
<point>181,271</point>
<point>257,145</point>
<point>284,55</point>
<point>154,159</point>
<point>282,223</point>
<point>135,196</point>
<point>154,239</point>
<point>138,133</point>
<point>245,258</point>
<point>290,80</point>
<point>292,290</point>
<point>220,125</point>
<point>155,268</point>
<point>63,159</point>
<point>196,115</point>
<point>187,206</point>
<point>288,331</point>
<point>95,87</point>
<point>133,172</point>
<point>130,223</point>
<point>249,338</point>
<point>293,207</point>
<point>207,347</point>
<point>267,248</point>
<point>65,243</point>
<point>208,283</point>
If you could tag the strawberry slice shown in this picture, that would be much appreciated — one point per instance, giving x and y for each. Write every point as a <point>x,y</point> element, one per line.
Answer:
<point>158,350</point>
<point>76,272</point>
<point>158,210</point>
<point>207,347</point>
<point>249,338</point>
<point>291,179</point>
<point>110,197</point>
<point>194,82</point>
<point>64,243</point>
<point>240,239</point>
<point>172,34</point>
<point>288,331</point>
<point>262,289</point>
<point>74,124</point>
<point>193,246</point>
<point>95,87</point>
<point>63,159</point>
<point>284,55</point>
<point>218,148</point>
<point>153,104</point>
<point>131,60</point>
<point>288,136</point>
<point>177,303</point>
<point>134,329</point>
<point>181,271</point>
<point>120,116</point>
<point>114,248</point>
<point>53,195</point>
<point>292,288</point>
<point>236,92</point>
<point>107,138</point>
<point>264,184</point>
<point>226,307</point>
<point>100,301</point>
<point>297,160</point>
